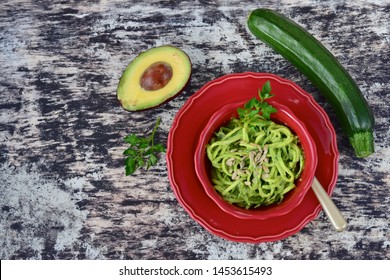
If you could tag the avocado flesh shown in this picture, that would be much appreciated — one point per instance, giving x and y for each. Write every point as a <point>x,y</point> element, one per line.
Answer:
<point>153,77</point>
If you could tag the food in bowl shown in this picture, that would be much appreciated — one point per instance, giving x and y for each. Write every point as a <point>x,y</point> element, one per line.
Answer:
<point>255,161</point>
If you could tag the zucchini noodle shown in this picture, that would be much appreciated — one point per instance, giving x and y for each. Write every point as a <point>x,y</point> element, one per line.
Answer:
<point>255,161</point>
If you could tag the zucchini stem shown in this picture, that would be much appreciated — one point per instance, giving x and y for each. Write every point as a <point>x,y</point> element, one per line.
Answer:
<point>362,143</point>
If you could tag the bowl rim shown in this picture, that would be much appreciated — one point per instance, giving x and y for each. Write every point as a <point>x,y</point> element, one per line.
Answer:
<point>222,115</point>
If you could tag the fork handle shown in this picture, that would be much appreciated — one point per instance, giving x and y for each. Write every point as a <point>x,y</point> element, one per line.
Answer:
<point>328,206</point>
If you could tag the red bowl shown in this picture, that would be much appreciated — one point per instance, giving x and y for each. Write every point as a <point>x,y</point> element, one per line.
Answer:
<point>293,198</point>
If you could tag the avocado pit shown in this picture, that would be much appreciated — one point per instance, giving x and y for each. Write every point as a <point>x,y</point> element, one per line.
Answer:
<point>156,76</point>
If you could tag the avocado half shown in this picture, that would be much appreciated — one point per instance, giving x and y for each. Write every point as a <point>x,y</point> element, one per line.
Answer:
<point>153,77</point>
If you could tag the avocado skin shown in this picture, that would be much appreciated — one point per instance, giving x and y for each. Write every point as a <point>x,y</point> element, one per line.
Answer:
<point>130,93</point>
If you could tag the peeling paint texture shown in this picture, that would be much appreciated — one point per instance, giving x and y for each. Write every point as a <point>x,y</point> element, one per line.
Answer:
<point>63,192</point>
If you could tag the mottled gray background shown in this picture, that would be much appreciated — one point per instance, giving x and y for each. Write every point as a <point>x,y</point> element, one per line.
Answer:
<point>63,193</point>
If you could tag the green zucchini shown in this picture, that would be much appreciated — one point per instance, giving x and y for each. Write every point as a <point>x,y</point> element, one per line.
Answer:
<point>319,65</point>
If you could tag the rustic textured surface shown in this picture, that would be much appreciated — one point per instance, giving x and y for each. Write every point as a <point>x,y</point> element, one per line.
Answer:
<point>63,193</point>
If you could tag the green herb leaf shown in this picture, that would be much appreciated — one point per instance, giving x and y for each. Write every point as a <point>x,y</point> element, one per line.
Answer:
<point>130,165</point>
<point>152,160</point>
<point>265,92</point>
<point>253,113</point>
<point>132,139</point>
<point>142,151</point>
<point>251,103</point>
<point>256,106</point>
<point>267,110</point>
<point>130,152</point>
<point>241,112</point>
<point>159,148</point>
<point>140,162</point>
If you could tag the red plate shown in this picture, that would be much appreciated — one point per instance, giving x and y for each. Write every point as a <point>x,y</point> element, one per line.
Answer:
<point>182,142</point>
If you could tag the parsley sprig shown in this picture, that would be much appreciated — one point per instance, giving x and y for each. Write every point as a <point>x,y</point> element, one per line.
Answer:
<point>255,106</point>
<point>142,152</point>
